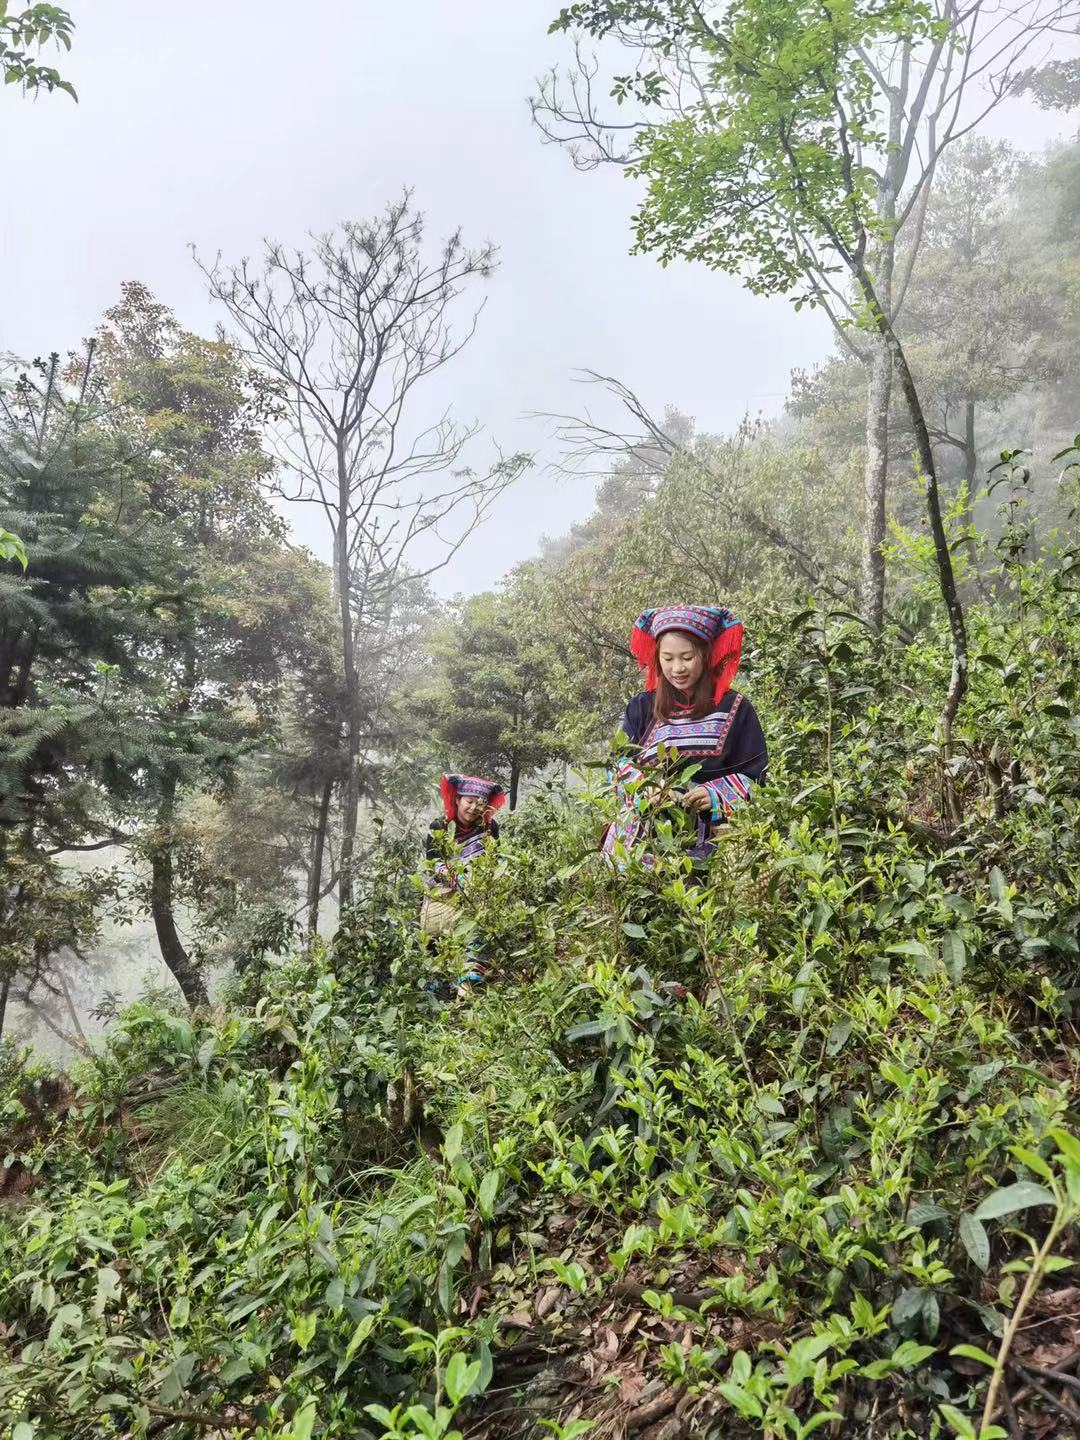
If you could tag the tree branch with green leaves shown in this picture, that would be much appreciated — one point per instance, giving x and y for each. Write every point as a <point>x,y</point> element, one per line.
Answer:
<point>23,36</point>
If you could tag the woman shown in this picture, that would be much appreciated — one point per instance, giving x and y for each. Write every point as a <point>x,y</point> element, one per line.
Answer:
<point>688,715</point>
<point>454,840</point>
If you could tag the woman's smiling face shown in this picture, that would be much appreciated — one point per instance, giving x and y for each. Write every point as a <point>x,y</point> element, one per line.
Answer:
<point>469,809</point>
<point>681,661</point>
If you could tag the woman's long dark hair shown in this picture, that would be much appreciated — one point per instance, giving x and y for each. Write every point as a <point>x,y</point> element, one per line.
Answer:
<point>668,700</point>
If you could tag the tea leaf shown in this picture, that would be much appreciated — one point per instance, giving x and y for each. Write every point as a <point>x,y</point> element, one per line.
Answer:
<point>1021,1196</point>
<point>975,1240</point>
<point>972,1352</point>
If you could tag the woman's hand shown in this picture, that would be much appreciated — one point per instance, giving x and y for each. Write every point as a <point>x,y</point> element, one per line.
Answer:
<point>651,795</point>
<point>698,799</point>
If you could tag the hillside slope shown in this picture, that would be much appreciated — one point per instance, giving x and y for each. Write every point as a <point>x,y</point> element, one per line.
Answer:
<point>772,1206</point>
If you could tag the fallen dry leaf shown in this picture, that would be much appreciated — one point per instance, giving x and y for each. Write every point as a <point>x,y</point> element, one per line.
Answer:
<point>1058,1302</point>
<point>630,1388</point>
<point>1052,1356</point>
<point>609,1343</point>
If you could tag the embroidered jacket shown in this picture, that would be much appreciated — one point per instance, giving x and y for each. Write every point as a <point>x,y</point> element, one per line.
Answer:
<point>727,746</point>
<point>471,843</point>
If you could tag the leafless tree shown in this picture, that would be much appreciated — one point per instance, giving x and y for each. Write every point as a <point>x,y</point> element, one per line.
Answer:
<point>352,330</point>
<point>654,445</point>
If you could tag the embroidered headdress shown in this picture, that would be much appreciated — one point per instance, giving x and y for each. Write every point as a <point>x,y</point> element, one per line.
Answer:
<point>454,786</point>
<point>712,623</point>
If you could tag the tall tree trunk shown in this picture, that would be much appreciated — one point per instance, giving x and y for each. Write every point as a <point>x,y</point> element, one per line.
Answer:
<point>9,641</point>
<point>879,385</point>
<point>515,777</point>
<point>73,1014</point>
<point>161,902</point>
<point>971,454</point>
<point>343,578</point>
<point>958,679</point>
<point>315,880</point>
<point>10,904</point>
<point>351,808</point>
<point>875,476</point>
<point>18,648</point>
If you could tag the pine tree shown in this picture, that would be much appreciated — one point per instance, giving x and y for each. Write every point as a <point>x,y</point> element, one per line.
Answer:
<point>70,634</point>
<point>492,708</point>
<point>216,669</point>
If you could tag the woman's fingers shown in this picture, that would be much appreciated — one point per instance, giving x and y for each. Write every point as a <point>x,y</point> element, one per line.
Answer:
<point>697,799</point>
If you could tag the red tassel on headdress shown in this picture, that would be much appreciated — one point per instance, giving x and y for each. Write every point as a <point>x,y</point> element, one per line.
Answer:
<point>497,801</point>
<point>449,797</point>
<point>643,649</point>
<point>725,657</point>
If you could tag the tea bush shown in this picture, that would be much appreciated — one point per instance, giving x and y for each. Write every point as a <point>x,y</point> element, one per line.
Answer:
<point>816,1192</point>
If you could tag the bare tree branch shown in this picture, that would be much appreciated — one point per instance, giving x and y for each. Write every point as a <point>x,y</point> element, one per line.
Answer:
<point>652,445</point>
<point>353,328</point>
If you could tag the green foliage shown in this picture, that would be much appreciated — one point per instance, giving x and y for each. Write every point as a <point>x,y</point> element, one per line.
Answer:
<point>12,548</point>
<point>773,159</point>
<point>70,611</point>
<point>793,1133</point>
<point>23,35</point>
<point>246,625</point>
<point>150,647</point>
<point>492,707</point>
<point>72,626</point>
<point>325,1211</point>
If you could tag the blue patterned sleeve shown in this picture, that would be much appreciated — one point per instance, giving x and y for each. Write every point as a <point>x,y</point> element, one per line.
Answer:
<point>725,793</point>
<point>746,760</point>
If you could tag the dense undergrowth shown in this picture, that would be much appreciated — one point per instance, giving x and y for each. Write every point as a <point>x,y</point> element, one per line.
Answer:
<point>774,1206</point>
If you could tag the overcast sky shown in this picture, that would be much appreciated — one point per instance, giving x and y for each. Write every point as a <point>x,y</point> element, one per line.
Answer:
<point>220,123</point>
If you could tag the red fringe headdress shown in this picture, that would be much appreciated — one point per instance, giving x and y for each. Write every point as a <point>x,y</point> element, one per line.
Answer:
<point>711,623</point>
<point>453,786</point>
